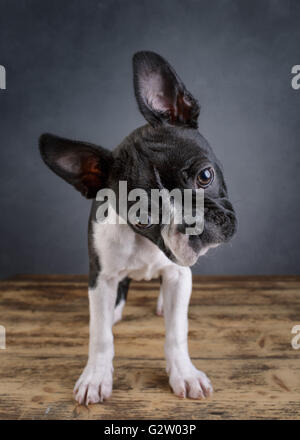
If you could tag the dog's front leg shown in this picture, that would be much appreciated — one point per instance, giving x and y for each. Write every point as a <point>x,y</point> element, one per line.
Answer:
<point>184,378</point>
<point>95,383</point>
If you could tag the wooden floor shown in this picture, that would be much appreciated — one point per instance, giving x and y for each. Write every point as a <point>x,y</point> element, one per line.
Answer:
<point>240,335</point>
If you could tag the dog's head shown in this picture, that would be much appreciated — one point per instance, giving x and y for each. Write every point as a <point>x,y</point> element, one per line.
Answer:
<point>168,153</point>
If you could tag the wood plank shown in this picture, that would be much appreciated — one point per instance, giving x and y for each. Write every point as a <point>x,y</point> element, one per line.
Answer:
<point>209,278</point>
<point>41,388</point>
<point>240,335</point>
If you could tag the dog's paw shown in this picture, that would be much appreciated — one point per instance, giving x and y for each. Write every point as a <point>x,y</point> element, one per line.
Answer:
<point>191,383</point>
<point>94,385</point>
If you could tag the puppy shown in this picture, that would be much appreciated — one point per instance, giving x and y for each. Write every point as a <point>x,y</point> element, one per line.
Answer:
<point>169,153</point>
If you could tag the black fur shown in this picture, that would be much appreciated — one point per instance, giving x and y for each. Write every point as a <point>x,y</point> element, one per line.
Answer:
<point>178,154</point>
<point>177,105</point>
<point>170,147</point>
<point>94,266</point>
<point>83,165</point>
<point>123,290</point>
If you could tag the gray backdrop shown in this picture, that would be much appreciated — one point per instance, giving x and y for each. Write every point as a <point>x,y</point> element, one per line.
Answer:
<point>69,72</point>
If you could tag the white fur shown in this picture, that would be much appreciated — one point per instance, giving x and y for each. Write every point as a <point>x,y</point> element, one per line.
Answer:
<point>179,243</point>
<point>184,378</point>
<point>160,303</point>
<point>123,253</point>
<point>95,383</point>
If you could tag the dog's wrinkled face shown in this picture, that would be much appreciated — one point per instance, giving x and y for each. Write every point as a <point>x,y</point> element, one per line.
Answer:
<point>169,153</point>
<point>173,157</point>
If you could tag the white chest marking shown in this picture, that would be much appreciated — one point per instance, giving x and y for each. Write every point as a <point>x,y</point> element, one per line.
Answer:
<point>123,252</point>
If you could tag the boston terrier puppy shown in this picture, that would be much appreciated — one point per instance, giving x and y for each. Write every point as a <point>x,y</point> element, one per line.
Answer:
<point>168,152</point>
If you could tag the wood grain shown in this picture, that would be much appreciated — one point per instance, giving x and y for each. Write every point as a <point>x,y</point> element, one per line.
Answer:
<point>239,333</point>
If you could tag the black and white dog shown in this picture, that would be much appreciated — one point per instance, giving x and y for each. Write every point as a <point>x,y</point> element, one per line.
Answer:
<point>168,152</point>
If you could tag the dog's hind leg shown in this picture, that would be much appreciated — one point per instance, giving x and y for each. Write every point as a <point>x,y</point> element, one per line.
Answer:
<point>160,301</point>
<point>121,299</point>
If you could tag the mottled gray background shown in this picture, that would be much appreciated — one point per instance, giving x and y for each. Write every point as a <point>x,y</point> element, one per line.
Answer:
<point>69,72</point>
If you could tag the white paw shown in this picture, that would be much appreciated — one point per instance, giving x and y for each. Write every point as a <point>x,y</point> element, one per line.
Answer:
<point>94,385</point>
<point>189,382</point>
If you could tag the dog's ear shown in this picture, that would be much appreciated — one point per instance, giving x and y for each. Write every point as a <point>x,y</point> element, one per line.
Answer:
<point>161,95</point>
<point>83,165</point>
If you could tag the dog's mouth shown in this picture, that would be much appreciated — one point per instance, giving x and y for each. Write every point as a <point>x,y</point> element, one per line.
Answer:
<point>184,253</point>
<point>219,227</point>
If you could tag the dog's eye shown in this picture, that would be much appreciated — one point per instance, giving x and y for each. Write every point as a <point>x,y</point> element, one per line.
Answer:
<point>205,177</point>
<point>142,225</point>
